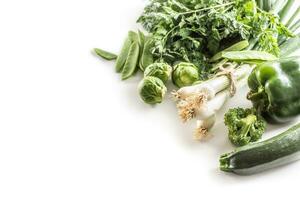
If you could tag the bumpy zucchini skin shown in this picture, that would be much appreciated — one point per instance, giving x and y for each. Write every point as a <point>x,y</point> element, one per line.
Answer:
<point>256,157</point>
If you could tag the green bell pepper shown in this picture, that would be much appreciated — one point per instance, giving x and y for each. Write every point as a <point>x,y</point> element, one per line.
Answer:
<point>275,89</point>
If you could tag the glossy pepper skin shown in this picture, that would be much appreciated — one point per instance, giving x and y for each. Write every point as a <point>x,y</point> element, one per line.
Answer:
<point>275,89</point>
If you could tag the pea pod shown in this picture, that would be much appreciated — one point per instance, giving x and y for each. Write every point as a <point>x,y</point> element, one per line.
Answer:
<point>236,47</point>
<point>274,89</point>
<point>141,39</point>
<point>123,55</point>
<point>133,36</point>
<point>105,54</point>
<point>248,55</point>
<point>147,58</point>
<point>131,61</point>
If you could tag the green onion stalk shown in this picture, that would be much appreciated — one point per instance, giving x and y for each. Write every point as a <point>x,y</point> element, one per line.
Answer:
<point>203,100</point>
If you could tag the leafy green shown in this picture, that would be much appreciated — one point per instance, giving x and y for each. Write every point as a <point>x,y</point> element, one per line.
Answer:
<point>195,30</point>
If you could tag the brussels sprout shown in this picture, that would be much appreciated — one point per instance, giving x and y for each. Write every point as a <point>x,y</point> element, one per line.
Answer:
<point>185,74</point>
<point>152,90</point>
<point>159,70</point>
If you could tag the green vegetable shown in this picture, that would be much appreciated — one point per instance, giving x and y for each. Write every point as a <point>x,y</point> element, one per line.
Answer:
<point>152,90</point>
<point>194,31</point>
<point>141,39</point>
<point>133,36</point>
<point>248,55</point>
<point>105,54</point>
<point>236,47</point>
<point>185,74</point>
<point>147,57</point>
<point>274,89</point>
<point>244,126</point>
<point>131,62</point>
<point>269,31</point>
<point>203,100</point>
<point>277,151</point>
<point>159,70</point>
<point>123,55</point>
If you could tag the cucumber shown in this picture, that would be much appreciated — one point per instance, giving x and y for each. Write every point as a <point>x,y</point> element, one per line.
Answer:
<point>279,150</point>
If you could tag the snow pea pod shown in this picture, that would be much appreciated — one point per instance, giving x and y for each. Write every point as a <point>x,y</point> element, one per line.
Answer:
<point>248,55</point>
<point>257,157</point>
<point>131,61</point>
<point>141,39</point>
<point>147,58</point>
<point>123,55</point>
<point>132,37</point>
<point>105,54</point>
<point>236,47</point>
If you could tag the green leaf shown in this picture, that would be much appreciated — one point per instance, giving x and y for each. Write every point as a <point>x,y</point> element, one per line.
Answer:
<point>195,30</point>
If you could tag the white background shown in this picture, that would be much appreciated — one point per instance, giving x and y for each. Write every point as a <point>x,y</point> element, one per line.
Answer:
<point>71,129</point>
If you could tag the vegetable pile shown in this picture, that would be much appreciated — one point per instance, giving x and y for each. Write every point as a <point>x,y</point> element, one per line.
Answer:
<point>209,49</point>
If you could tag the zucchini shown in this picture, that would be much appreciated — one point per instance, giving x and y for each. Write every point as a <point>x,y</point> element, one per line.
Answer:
<point>256,157</point>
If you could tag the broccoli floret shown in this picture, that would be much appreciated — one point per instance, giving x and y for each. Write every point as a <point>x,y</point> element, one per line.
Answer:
<point>244,125</point>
